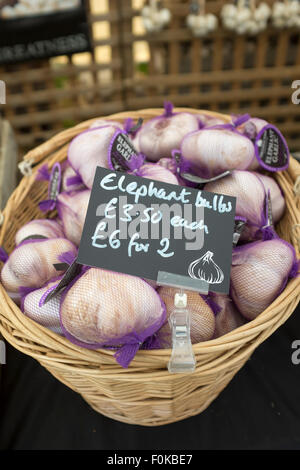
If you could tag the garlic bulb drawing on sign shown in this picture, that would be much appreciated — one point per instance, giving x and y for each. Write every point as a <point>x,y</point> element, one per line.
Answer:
<point>206,269</point>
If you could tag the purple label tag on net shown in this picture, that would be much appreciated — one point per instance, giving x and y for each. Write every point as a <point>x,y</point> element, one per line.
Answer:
<point>122,156</point>
<point>271,149</point>
<point>55,182</point>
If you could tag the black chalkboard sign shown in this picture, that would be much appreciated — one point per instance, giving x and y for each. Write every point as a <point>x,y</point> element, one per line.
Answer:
<point>143,227</point>
<point>31,32</point>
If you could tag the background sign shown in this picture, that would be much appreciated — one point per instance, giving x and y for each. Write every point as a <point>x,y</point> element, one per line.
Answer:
<point>139,226</point>
<point>37,30</point>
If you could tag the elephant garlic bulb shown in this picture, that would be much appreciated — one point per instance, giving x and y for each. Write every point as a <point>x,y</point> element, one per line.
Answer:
<point>31,264</point>
<point>286,14</point>
<point>244,20</point>
<point>39,228</point>
<point>88,150</point>
<point>250,189</point>
<point>72,208</point>
<point>159,136</point>
<point>156,172</point>
<point>104,308</point>
<point>259,272</point>
<point>154,18</point>
<point>228,317</point>
<point>251,198</point>
<point>206,269</point>
<point>202,318</point>
<point>209,152</point>
<point>46,314</point>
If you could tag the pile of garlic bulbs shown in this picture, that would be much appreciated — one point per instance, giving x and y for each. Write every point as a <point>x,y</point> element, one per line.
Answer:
<point>245,20</point>
<point>286,14</point>
<point>199,22</point>
<point>155,18</point>
<point>201,25</point>
<point>36,7</point>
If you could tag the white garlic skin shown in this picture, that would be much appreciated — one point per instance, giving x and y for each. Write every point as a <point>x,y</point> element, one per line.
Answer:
<point>103,305</point>
<point>158,137</point>
<point>250,194</point>
<point>213,151</point>
<point>228,318</point>
<point>72,208</point>
<point>258,273</point>
<point>31,264</point>
<point>44,227</point>
<point>158,173</point>
<point>46,315</point>
<point>88,150</point>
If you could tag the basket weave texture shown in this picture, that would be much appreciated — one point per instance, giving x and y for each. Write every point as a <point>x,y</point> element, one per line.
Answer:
<point>145,393</point>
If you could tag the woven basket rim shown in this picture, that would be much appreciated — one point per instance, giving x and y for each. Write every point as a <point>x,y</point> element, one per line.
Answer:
<point>18,320</point>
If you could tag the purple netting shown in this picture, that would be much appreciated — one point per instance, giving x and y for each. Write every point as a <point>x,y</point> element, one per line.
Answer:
<point>210,151</point>
<point>105,309</point>
<point>31,263</point>
<point>72,208</point>
<point>228,317</point>
<point>259,273</point>
<point>44,228</point>
<point>47,314</point>
<point>159,136</point>
<point>89,149</point>
<point>43,173</point>
<point>251,202</point>
<point>156,172</point>
<point>3,255</point>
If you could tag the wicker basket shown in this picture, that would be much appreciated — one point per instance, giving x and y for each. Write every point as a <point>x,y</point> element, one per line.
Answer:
<point>145,393</point>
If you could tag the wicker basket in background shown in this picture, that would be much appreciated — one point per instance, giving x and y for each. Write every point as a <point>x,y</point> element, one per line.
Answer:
<point>145,393</point>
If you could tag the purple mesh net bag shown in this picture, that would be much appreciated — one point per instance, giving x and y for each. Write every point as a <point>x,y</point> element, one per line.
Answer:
<point>209,152</point>
<point>106,309</point>
<point>251,202</point>
<point>89,149</point>
<point>43,228</point>
<point>31,264</point>
<point>259,273</point>
<point>228,317</point>
<point>202,323</point>
<point>156,172</point>
<point>46,314</point>
<point>71,181</point>
<point>159,136</point>
<point>72,207</point>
